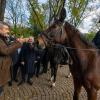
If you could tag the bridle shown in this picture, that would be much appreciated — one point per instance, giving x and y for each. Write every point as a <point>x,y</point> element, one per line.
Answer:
<point>48,39</point>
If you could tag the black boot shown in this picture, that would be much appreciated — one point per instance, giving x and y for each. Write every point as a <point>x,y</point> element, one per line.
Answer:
<point>21,82</point>
<point>29,80</point>
<point>10,83</point>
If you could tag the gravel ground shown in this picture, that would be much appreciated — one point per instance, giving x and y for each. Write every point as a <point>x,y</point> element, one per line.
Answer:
<point>41,90</point>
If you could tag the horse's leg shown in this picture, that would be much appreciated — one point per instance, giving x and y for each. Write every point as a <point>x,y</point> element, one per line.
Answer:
<point>52,72</point>
<point>55,74</point>
<point>77,89</point>
<point>92,94</point>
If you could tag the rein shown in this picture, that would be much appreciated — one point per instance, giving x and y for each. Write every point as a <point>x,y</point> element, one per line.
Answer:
<point>82,49</point>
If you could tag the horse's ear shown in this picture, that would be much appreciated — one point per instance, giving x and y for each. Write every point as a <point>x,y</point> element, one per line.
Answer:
<point>62,15</point>
<point>99,21</point>
<point>55,19</point>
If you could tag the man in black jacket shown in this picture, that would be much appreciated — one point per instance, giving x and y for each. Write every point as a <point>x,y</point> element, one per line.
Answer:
<point>96,39</point>
<point>27,61</point>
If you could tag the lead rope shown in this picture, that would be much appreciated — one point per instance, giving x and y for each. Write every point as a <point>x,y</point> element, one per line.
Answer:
<point>95,49</point>
<point>70,62</point>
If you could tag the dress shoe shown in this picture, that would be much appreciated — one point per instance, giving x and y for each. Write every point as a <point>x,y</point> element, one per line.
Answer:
<point>29,82</point>
<point>1,91</point>
<point>37,75</point>
<point>10,83</point>
<point>21,82</point>
<point>15,80</point>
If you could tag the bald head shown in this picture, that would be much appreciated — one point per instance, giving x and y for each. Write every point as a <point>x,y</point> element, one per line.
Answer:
<point>3,24</point>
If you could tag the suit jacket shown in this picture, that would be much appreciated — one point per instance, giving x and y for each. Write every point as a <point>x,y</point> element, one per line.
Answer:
<point>96,39</point>
<point>28,57</point>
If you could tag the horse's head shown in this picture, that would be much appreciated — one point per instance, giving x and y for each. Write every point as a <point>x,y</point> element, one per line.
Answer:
<point>53,34</point>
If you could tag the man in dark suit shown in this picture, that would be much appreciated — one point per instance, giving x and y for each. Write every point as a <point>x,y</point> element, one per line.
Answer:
<point>27,60</point>
<point>39,53</point>
<point>21,63</point>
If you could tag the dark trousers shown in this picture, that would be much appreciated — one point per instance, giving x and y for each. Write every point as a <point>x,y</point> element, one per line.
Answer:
<point>15,70</point>
<point>30,75</point>
<point>37,68</point>
<point>45,66</point>
<point>1,90</point>
<point>23,72</point>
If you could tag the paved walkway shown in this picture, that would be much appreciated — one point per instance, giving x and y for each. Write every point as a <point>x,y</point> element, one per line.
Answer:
<point>41,90</point>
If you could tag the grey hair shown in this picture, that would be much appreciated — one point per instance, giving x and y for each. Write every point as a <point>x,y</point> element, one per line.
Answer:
<point>4,23</point>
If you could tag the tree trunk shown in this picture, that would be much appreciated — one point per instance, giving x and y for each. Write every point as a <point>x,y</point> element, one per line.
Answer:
<point>2,9</point>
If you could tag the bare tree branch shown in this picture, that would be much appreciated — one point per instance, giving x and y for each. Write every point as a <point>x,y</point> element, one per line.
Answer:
<point>35,14</point>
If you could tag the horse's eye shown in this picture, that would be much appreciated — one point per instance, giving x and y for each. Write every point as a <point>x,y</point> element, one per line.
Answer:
<point>52,35</point>
<point>54,26</point>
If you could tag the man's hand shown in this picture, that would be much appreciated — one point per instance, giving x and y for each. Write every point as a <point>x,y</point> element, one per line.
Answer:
<point>22,63</point>
<point>26,39</point>
<point>22,40</point>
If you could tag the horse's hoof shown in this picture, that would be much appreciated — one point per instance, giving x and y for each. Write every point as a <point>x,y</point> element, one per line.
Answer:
<point>53,85</point>
<point>52,78</point>
<point>69,75</point>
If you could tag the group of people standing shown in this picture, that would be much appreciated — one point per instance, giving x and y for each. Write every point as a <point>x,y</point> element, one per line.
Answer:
<point>28,59</point>
<point>21,53</point>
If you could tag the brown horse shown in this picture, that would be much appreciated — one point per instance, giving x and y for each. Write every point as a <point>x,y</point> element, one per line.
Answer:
<point>86,58</point>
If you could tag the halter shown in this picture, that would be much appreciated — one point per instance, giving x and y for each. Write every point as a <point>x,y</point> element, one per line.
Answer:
<point>47,39</point>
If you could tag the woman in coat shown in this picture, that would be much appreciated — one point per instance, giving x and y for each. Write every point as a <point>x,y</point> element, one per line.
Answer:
<point>5,54</point>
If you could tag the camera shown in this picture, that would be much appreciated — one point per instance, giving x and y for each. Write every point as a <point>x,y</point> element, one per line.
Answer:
<point>11,39</point>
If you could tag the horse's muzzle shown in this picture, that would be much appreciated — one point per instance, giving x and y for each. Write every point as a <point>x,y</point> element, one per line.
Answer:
<point>42,42</point>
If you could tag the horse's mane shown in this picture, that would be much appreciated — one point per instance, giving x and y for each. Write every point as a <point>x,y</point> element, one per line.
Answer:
<point>74,31</point>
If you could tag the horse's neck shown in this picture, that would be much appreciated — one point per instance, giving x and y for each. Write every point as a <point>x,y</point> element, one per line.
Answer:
<point>79,49</point>
<point>77,43</point>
